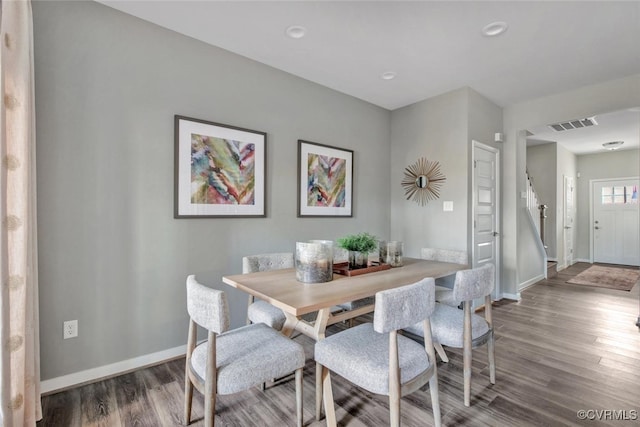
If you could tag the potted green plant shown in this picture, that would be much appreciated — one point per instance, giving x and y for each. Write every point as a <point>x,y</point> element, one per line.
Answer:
<point>359,245</point>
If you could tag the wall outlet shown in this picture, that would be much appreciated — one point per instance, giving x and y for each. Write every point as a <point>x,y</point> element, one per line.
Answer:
<point>70,329</point>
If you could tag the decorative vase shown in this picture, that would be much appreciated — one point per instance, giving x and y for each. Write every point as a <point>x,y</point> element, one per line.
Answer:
<point>382,251</point>
<point>358,259</point>
<point>314,262</point>
<point>394,254</point>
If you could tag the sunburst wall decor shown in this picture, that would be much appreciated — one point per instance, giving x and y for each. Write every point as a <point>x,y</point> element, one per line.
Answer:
<point>422,181</point>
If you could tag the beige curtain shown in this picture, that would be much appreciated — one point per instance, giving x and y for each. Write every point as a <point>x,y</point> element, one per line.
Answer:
<point>20,380</point>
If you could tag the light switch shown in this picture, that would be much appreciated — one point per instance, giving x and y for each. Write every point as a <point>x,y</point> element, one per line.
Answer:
<point>447,206</point>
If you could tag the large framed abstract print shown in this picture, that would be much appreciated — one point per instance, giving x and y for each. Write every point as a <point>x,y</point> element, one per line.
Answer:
<point>325,180</point>
<point>220,170</point>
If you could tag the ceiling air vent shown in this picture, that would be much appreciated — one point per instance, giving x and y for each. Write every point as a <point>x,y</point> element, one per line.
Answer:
<point>574,124</point>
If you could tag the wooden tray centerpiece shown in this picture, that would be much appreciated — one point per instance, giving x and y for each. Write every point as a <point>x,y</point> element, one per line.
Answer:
<point>342,268</point>
<point>359,246</point>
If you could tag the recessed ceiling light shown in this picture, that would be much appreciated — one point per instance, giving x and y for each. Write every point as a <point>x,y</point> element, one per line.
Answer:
<point>389,75</point>
<point>296,31</point>
<point>613,145</point>
<point>495,29</point>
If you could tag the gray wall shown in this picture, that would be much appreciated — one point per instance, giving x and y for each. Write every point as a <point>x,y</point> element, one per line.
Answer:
<point>541,161</point>
<point>440,129</point>
<point>111,254</point>
<point>437,130</point>
<point>612,164</point>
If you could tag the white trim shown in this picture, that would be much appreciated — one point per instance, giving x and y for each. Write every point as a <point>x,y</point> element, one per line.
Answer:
<point>530,282</point>
<point>498,220</point>
<point>515,297</point>
<point>565,226</point>
<point>583,260</point>
<point>94,374</point>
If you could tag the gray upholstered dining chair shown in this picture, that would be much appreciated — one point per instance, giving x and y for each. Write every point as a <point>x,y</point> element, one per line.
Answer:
<point>261,311</point>
<point>460,328</point>
<point>378,359</point>
<point>444,294</point>
<point>230,361</point>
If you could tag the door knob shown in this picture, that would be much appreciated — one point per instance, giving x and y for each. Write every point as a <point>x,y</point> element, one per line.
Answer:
<point>596,227</point>
<point>495,233</point>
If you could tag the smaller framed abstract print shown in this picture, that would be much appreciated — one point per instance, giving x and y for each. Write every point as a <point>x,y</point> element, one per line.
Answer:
<point>325,180</point>
<point>220,170</point>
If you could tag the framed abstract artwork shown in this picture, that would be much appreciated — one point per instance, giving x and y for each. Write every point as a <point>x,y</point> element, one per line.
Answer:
<point>325,180</point>
<point>220,170</point>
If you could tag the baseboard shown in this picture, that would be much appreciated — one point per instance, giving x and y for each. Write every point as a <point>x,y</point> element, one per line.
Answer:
<point>91,375</point>
<point>530,282</point>
<point>515,297</point>
<point>582,260</point>
<point>552,259</point>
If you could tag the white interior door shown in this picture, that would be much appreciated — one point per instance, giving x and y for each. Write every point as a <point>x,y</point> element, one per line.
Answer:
<point>486,209</point>
<point>616,239</point>
<point>569,216</point>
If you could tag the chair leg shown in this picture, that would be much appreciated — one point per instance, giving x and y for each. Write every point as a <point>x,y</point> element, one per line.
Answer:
<point>435,399</point>
<point>466,353</point>
<point>188,398</point>
<point>318,391</point>
<point>299,396</point>
<point>327,393</point>
<point>210,382</point>
<point>491,349</point>
<point>441,352</point>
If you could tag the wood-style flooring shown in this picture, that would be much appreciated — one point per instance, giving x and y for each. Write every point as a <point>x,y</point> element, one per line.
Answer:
<point>563,348</point>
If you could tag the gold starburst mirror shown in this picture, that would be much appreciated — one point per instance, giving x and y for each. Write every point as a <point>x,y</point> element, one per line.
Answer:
<point>422,181</point>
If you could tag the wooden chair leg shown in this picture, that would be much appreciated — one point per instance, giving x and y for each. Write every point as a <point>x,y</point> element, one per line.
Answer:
<point>210,385</point>
<point>466,353</point>
<point>318,391</point>
<point>188,386</point>
<point>441,352</point>
<point>491,349</point>
<point>327,393</point>
<point>435,399</point>
<point>188,398</point>
<point>299,396</point>
<point>394,381</point>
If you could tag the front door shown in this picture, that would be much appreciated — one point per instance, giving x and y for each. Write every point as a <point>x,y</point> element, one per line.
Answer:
<point>486,209</point>
<point>615,221</point>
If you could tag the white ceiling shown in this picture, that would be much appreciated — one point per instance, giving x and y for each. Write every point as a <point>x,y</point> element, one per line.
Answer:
<point>433,46</point>
<point>614,126</point>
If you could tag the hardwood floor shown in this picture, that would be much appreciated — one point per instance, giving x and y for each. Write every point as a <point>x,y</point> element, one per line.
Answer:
<point>563,348</point>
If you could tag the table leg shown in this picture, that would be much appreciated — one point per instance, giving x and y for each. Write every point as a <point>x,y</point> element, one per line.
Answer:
<point>320,327</point>
<point>289,324</point>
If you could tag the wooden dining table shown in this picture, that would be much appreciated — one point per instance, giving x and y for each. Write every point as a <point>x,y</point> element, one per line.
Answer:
<point>295,299</point>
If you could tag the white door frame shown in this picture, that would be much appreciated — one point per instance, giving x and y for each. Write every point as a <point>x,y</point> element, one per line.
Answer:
<point>476,144</point>
<point>565,226</point>
<point>592,182</point>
